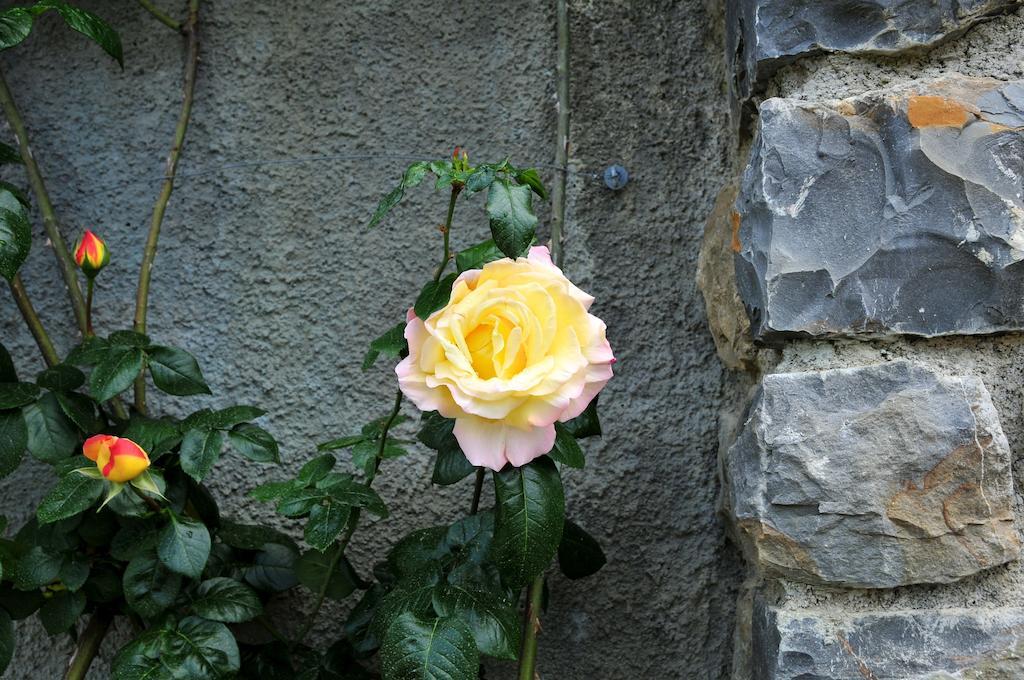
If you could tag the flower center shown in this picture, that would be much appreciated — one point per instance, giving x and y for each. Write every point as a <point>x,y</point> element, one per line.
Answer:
<point>496,348</point>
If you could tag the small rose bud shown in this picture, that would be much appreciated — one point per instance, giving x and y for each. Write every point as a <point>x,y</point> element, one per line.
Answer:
<point>91,254</point>
<point>118,459</point>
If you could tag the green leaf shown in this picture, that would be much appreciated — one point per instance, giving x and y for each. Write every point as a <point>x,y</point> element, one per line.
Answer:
<point>51,436</point>
<point>38,567</point>
<point>149,587</point>
<point>91,26</point>
<point>8,154</point>
<point>62,611</point>
<point>90,352</point>
<point>155,436</point>
<point>200,450</point>
<point>391,344</point>
<point>586,424</point>
<point>184,546</point>
<point>74,571</point>
<point>566,450</point>
<point>531,178</point>
<point>491,617</point>
<point>254,443</point>
<point>15,25</point>
<point>16,395</point>
<point>13,441</point>
<point>271,491</point>
<point>412,176</point>
<point>477,256</point>
<point>479,179</point>
<point>314,571</point>
<point>343,443</point>
<point>15,232</point>
<point>326,520</point>
<point>315,470</point>
<point>528,524</point>
<point>192,649</point>
<point>7,372</point>
<point>419,551</point>
<point>451,466</point>
<point>299,501</point>
<point>73,494</point>
<point>116,372</point>
<point>227,418</point>
<point>18,193</point>
<point>417,648</point>
<point>273,568</point>
<point>61,378</point>
<point>226,600</point>
<point>434,296</point>
<point>510,210</point>
<point>176,372</point>
<point>344,489</point>
<point>6,640</point>
<point>579,553</point>
<point>252,536</point>
<point>81,410</point>
<point>128,338</point>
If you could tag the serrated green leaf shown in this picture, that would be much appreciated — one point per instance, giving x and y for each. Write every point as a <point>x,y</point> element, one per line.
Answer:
<point>315,470</point>
<point>299,502</point>
<point>270,491</point>
<point>479,179</point>
<point>13,441</point>
<point>184,546</point>
<point>326,521</point>
<point>62,611</point>
<point>451,466</point>
<point>149,586</point>
<point>81,410</point>
<point>491,617</point>
<point>477,256</point>
<point>579,553</point>
<point>38,567</point>
<point>89,352</point>
<point>91,26</point>
<point>15,26</point>
<point>391,344</point>
<point>252,536</point>
<point>416,648</point>
<point>434,296</point>
<point>413,595</point>
<point>586,424</point>
<point>192,649</point>
<point>176,372</point>
<point>566,450</point>
<point>51,436</point>
<point>74,493</point>
<point>61,378</point>
<point>227,418</point>
<point>15,234</point>
<point>155,436</point>
<point>510,210</point>
<point>116,372</point>
<point>272,569</point>
<point>531,178</point>
<point>314,570</point>
<point>348,491</point>
<point>226,600</point>
<point>128,338</point>
<point>200,450</point>
<point>16,395</point>
<point>530,505</point>
<point>254,443</point>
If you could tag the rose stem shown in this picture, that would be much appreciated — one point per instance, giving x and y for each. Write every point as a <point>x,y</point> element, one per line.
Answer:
<point>159,14</point>
<point>477,489</point>
<point>32,320</point>
<point>191,32</point>
<point>531,626</point>
<point>88,645</point>
<point>90,284</point>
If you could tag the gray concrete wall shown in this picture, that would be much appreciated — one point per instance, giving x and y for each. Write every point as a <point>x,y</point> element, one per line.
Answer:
<point>267,274</point>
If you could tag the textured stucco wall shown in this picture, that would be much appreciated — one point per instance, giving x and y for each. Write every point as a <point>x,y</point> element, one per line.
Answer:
<point>267,274</point>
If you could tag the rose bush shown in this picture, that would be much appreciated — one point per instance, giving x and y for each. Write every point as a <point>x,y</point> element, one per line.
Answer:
<point>513,352</point>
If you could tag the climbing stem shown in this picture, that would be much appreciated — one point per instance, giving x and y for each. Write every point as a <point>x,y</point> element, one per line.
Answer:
<point>562,133</point>
<point>531,627</point>
<point>35,179</point>
<point>88,645</point>
<point>32,320</point>
<point>447,254</point>
<point>191,31</point>
<point>478,487</point>
<point>89,285</point>
<point>160,15</point>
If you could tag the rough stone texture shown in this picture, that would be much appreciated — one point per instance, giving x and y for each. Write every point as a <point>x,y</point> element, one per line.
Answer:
<point>764,35</point>
<point>897,211</point>
<point>716,278</point>
<point>932,644</point>
<point>267,273</point>
<point>873,477</point>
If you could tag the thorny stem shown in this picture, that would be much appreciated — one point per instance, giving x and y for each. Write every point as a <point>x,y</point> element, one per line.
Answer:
<point>562,142</point>
<point>88,645</point>
<point>32,320</point>
<point>478,487</point>
<point>149,254</point>
<point>531,627</point>
<point>90,284</point>
<point>35,178</point>
<point>350,525</point>
<point>447,255</point>
<point>162,17</point>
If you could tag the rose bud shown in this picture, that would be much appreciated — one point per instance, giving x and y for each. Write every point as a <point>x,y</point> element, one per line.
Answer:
<point>118,459</point>
<point>91,254</point>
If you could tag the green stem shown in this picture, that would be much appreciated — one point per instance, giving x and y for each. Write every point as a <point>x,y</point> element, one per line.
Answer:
<point>32,320</point>
<point>90,284</point>
<point>35,178</point>
<point>562,141</point>
<point>478,488</point>
<point>447,255</point>
<point>153,505</point>
<point>162,17</point>
<point>531,627</point>
<point>88,645</point>
<point>149,254</point>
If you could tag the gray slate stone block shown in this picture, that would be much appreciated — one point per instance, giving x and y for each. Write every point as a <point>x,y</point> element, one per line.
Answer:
<point>872,477</point>
<point>764,35</point>
<point>896,212</point>
<point>905,645</point>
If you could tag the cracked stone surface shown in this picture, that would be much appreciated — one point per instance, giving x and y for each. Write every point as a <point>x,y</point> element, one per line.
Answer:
<point>895,212</point>
<point>873,477</point>
<point>765,35</point>
<point>911,645</point>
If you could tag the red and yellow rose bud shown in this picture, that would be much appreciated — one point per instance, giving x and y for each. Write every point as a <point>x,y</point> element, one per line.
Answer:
<point>91,254</point>
<point>118,459</point>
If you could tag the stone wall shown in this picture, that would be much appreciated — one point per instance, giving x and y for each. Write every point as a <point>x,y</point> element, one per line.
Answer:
<point>864,279</point>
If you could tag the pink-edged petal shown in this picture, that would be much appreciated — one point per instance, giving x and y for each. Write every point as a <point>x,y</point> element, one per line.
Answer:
<point>483,441</point>
<point>540,254</point>
<point>411,382</point>
<point>522,446</point>
<point>590,390</point>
